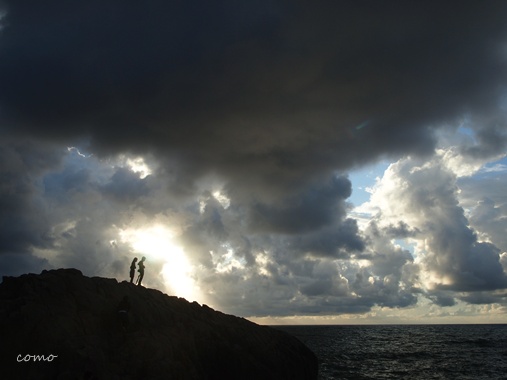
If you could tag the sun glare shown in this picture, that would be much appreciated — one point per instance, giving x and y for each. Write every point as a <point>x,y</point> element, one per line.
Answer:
<point>156,244</point>
<point>139,166</point>
<point>136,164</point>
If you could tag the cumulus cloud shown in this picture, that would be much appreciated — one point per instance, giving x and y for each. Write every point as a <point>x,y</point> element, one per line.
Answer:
<point>492,221</point>
<point>449,250</point>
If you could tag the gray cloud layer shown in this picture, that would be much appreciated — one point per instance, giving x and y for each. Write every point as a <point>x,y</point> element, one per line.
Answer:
<point>270,104</point>
<point>276,89</point>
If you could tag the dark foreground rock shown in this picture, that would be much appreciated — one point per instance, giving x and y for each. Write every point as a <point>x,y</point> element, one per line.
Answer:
<point>73,321</point>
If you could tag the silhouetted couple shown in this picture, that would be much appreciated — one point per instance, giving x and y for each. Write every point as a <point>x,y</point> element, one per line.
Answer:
<point>140,270</point>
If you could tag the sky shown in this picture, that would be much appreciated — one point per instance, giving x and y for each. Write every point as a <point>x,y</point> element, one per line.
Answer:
<point>335,162</point>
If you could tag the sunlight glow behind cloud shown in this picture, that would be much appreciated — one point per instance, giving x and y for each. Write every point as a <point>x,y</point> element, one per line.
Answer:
<point>138,165</point>
<point>155,242</point>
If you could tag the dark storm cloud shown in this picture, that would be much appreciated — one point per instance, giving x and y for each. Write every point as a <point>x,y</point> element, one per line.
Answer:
<point>311,209</point>
<point>23,219</point>
<point>481,298</point>
<point>491,138</point>
<point>339,240</point>
<point>245,113</point>
<point>206,233</point>
<point>53,212</point>
<point>126,186</point>
<point>442,299</point>
<point>267,94</point>
<point>380,291</point>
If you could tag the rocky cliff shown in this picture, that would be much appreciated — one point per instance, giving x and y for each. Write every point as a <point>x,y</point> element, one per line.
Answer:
<point>63,325</point>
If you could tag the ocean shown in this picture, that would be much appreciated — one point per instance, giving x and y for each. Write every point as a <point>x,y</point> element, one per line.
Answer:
<point>407,351</point>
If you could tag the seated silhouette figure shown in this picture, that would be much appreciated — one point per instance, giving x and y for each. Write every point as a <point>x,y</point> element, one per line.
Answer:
<point>133,270</point>
<point>141,271</point>
<point>123,312</point>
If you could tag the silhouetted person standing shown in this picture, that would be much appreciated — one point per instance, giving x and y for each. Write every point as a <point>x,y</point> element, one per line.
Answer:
<point>133,270</point>
<point>141,271</point>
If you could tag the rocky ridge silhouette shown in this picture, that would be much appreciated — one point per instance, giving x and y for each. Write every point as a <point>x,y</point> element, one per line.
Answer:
<point>63,325</point>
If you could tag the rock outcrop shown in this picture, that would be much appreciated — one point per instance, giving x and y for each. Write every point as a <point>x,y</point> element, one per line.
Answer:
<point>72,322</point>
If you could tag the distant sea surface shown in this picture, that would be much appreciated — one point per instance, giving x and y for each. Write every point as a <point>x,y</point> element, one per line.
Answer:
<point>407,351</point>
